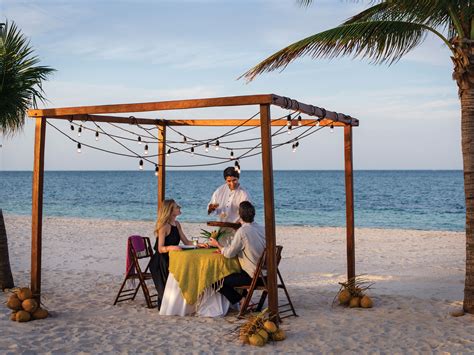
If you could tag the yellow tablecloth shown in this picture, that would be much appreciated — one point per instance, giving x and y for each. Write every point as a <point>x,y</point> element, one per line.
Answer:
<point>197,269</point>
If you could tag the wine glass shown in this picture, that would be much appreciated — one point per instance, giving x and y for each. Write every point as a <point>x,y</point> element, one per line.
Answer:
<point>195,241</point>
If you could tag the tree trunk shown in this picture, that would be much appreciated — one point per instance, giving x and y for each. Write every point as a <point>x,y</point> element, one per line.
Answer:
<point>6,278</point>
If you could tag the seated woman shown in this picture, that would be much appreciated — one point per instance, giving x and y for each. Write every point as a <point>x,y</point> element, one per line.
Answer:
<point>168,234</point>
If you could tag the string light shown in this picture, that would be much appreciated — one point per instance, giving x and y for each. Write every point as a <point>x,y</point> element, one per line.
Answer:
<point>332,128</point>
<point>168,152</point>
<point>79,131</point>
<point>141,164</point>
<point>237,166</point>
<point>156,169</point>
<point>232,154</point>
<point>288,120</point>
<point>192,151</point>
<point>289,129</point>
<point>207,147</point>
<point>72,127</point>
<point>146,149</point>
<point>97,135</point>
<point>78,147</point>
<point>184,139</point>
<point>217,145</point>
<point>299,120</point>
<point>139,140</point>
<point>318,122</point>
<point>295,145</point>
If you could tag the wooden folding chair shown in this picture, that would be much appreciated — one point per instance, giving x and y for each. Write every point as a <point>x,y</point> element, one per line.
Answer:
<point>135,272</point>
<point>259,282</point>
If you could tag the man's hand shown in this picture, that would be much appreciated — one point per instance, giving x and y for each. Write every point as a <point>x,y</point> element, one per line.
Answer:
<point>212,207</point>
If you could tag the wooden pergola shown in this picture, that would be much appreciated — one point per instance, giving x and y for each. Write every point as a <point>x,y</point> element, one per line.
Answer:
<point>102,114</point>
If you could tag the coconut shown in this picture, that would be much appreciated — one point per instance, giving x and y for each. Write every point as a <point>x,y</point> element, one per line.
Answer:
<point>270,327</point>
<point>244,338</point>
<point>355,302</point>
<point>14,303</point>
<point>262,332</point>
<point>13,316</point>
<point>29,305</point>
<point>279,335</point>
<point>24,293</point>
<point>344,296</point>
<point>23,316</point>
<point>256,340</point>
<point>366,302</point>
<point>40,313</point>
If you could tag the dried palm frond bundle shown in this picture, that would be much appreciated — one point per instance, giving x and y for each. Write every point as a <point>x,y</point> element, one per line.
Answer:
<point>353,293</point>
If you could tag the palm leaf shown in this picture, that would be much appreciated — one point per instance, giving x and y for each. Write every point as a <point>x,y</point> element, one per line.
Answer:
<point>379,41</point>
<point>20,79</point>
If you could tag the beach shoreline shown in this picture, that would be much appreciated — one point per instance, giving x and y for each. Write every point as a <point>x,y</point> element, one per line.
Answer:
<point>418,276</point>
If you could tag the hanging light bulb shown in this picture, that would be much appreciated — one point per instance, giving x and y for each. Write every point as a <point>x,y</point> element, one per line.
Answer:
<point>96,135</point>
<point>156,170</point>
<point>139,140</point>
<point>192,151</point>
<point>289,129</point>
<point>140,164</point>
<point>332,128</point>
<point>184,139</point>
<point>72,127</point>
<point>168,152</point>
<point>293,147</point>
<point>217,145</point>
<point>232,154</point>
<point>299,120</point>
<point>236,163</point>
<point>146,149</point>
<point>288,120</point>
<point>78,147</point>
<point>318,121</point>
<point>207,147</point>
<point>79,131</point>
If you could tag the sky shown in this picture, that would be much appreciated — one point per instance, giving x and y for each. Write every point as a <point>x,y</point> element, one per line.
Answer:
<point>126,51</point>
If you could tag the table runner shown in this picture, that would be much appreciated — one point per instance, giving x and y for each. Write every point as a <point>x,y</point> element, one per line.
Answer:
<point>197,269</point>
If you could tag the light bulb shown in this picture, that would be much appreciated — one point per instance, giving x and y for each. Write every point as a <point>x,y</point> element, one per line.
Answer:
<point>96,135</point>
<point>299,120</point>
<point>184,139</point>
<point>72,127</point>
<point>332,128</point>
<point>293,147</point>
<point>156,170</point>
<point>192,151</point>
<point>146,149</point>
<point>289,129</point>
<point>217,145</point>
<point>79,131</point>
<point>78,147</point>
<point>207,147</point>
<point>139,140</point>
<point>168,152</point>
<point>231,154</point>
<point>318,122</point>
<point>288,120</point>
<point>141,164</point>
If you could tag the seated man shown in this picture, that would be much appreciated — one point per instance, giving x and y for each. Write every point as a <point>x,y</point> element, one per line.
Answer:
<point>248,245</point>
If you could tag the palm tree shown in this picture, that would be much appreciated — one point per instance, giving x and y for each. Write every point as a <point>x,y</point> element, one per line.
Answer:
<point>20,87</point>
<point>384,33</point>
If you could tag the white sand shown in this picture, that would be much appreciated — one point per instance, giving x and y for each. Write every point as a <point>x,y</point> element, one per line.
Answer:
<point>418,279</point>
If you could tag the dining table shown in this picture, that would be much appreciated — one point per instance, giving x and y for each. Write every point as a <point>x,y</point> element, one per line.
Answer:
<point>195,276</point>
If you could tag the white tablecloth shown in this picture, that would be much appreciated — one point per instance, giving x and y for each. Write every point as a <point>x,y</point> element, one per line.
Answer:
<point>210,303</point>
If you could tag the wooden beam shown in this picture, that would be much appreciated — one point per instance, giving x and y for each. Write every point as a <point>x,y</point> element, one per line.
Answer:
<point>162,166</point>
<point>290,104</point>
<point>269,209</point>
<point>215,122</point>
<point>156,106</point>
<point>37,207</point>
<point>349,181</point>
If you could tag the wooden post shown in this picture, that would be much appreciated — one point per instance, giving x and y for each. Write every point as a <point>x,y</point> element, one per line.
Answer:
<point>37,206</point>
<point>269,208</point>
<point>162,165</point>
<point>348,168</point>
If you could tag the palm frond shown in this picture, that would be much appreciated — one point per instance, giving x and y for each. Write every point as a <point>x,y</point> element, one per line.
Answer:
<point>379,41</point>
<point>20,78</point>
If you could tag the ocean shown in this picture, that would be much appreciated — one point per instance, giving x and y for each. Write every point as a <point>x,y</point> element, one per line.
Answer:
<point>425,200</point>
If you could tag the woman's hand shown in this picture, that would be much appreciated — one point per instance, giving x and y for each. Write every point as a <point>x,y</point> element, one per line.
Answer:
<point>174,248</point>
<point>203,245</point>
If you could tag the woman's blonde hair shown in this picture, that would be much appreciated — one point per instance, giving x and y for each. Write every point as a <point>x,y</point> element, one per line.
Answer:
<point>164,214</point>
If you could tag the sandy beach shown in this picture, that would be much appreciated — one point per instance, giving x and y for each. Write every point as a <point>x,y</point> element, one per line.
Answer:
<point>418,279</point>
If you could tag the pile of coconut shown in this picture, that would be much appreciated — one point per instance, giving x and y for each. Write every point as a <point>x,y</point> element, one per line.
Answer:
<point>353,293</point>
<point>24,306</point>
<point>258,330</point>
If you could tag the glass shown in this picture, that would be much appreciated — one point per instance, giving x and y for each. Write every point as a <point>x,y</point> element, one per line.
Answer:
<point>195,241</point>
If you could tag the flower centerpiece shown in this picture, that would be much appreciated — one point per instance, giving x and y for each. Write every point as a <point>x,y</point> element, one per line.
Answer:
<point>216,234</point>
